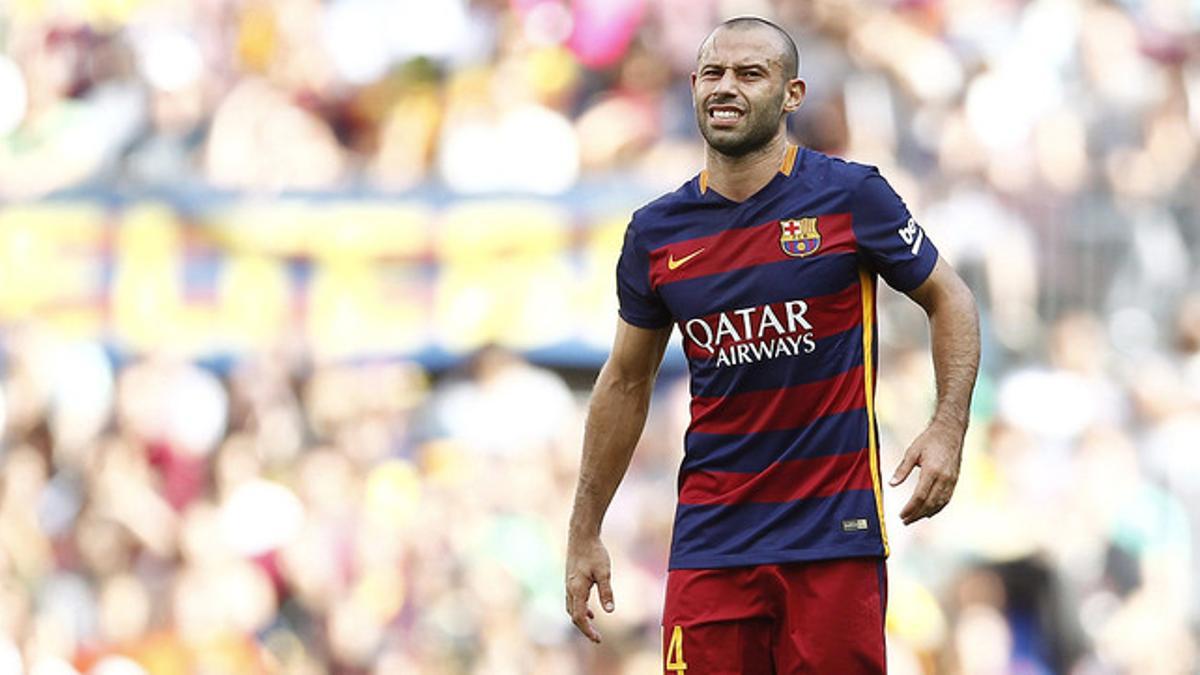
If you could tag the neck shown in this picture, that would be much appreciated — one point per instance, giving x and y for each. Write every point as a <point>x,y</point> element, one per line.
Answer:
<point>738,178</point>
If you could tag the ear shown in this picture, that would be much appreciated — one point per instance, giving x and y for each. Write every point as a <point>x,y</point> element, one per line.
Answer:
<point>793,95</point>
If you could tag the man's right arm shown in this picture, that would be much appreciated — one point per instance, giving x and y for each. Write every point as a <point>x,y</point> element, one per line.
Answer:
<point>616,415</point>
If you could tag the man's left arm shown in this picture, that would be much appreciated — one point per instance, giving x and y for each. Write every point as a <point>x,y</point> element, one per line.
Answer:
<point>954,333</point>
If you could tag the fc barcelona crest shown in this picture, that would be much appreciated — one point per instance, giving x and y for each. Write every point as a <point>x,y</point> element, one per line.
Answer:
<point>799,236</point>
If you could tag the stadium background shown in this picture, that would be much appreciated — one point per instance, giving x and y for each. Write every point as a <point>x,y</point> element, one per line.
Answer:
<point>301,301</point>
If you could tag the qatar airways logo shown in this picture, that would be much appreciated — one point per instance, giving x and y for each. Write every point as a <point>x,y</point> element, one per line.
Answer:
<point>753,334</point>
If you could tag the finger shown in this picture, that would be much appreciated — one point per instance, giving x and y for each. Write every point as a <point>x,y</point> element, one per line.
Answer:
<point>582,622</point>
<point>933,504</point>
<point>604,584</point>
<point>915,508</point>
<point>586,628</point>
<point>905,467</point>
<point>940,490</point>
<point>577,595</point>
<point>943,492</point>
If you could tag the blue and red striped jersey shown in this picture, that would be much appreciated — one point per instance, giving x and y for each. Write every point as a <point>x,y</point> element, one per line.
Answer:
<point>775,300</point>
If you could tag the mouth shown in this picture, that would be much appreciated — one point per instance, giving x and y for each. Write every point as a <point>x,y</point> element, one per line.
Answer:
<point>725,115</point>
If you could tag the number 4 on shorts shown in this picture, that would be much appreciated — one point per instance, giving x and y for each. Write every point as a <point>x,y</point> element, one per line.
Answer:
<point>675,662</point>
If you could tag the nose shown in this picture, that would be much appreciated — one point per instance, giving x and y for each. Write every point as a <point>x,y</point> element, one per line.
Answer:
<point>727,82</point>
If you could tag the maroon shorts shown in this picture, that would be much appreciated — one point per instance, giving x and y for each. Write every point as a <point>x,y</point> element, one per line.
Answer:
<point>820,617</point>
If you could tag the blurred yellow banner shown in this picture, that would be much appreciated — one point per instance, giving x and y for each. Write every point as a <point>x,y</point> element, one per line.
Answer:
<point>346,278</point>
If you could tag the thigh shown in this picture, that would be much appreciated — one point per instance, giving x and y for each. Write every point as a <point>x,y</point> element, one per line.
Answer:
<point>833,618</point>
<point>717,622</point>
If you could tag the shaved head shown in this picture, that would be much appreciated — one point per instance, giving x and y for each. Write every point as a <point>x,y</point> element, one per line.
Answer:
<point>788,56</point>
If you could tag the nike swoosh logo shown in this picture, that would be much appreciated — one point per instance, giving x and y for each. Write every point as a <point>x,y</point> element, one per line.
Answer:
<point>673,264</point>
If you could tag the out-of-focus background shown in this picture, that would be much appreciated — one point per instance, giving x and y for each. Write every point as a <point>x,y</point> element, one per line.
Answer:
<point>301,302</point>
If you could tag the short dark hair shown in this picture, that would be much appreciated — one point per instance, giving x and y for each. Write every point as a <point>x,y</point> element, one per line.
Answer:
<point>791,55</point>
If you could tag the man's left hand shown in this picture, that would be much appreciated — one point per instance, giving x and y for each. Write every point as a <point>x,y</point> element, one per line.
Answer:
<point>938,451</point>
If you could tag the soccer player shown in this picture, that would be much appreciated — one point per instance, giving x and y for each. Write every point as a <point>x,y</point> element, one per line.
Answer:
<point>767,263</point>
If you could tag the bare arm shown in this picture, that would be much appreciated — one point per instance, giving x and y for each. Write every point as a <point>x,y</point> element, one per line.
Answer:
<point>616,415</point>
<point>954,332</point>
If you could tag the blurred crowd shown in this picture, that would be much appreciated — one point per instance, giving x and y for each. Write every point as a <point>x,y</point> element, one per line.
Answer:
<point>288,514</point>
<point>1064,132</point>
<point>283,516</point>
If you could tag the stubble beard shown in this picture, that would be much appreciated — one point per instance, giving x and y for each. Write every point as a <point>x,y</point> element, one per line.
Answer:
<point>760,127</point>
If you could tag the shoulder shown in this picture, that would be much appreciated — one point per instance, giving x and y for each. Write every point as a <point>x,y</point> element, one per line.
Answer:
<point>825,170</point>
<point>661,209</point>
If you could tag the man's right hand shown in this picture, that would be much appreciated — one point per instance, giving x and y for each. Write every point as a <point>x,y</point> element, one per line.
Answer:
<point>587,564</point>
<point>616,414</point>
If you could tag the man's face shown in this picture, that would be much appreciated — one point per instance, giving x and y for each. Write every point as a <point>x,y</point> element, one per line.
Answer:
<point>738,89</point>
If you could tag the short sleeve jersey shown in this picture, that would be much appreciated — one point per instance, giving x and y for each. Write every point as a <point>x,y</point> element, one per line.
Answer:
<point>775,300</point>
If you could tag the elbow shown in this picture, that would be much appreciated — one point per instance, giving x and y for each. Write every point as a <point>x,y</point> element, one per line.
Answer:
<point>963,300</point>
<point>956,308</point>
<point>959,305</point>
<point>628,385</point>
<point>620,381</point>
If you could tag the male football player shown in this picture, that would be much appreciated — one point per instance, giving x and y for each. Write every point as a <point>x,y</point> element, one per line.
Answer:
<point>767,263</point>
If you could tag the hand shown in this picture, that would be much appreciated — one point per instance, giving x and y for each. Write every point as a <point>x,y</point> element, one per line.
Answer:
<point>588,563</point>
<point>938,451</point>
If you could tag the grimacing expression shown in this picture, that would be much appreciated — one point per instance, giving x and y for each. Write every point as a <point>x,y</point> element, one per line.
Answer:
<point>738,89</point>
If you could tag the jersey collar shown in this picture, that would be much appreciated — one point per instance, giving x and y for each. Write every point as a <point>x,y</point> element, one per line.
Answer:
<point>785,168</point>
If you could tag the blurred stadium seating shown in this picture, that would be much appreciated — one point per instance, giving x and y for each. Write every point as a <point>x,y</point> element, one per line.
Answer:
<point>301,301</point>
